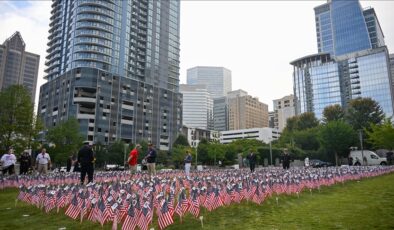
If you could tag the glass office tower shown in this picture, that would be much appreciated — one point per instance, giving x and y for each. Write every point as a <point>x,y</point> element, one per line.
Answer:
<point>352,62</point>
<point>344,27</point>
<point>115,66</point>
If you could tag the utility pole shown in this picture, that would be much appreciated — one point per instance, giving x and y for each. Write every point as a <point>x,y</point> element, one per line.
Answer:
<point>361,145</point>
<point>271,150</point>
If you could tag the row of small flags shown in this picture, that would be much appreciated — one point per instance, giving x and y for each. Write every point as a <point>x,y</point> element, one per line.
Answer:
<point>133,202</point>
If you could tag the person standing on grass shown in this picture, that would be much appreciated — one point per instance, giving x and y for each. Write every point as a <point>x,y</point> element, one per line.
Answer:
<point>151,160</point>
<point>8,161</point>
<point>286,159</point>
<point>25,160</point>
<point>86,159</point>
<point>132,160</point>
<point>188,163</point>
<point>43,162</point>
<point>252,160</point>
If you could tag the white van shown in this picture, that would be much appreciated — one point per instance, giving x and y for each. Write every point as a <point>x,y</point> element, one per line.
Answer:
<point>370,158</point>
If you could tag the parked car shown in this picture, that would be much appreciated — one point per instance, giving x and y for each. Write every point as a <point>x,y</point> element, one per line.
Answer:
<point>370,158</point>
<point>315,163</point>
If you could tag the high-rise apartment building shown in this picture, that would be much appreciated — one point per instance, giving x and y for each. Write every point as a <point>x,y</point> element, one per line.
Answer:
<point>114,65</point>
<point>283,109</point>
<point>246,111</point>
<point>217,79</point>
<point>352,61</point>
<point>17,66</point>
<point>197,106</point>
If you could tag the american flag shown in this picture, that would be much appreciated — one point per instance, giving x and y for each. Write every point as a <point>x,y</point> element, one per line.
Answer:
<point>165,217</point>
<point>195,203</point>
<point>100,212</point>
<point>73,210</point>
<point>145,216</point>
<point>132,217</point>
<point>50,201</point>
<point>183,204</point>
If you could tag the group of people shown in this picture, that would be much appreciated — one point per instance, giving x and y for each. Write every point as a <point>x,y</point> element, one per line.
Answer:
<point>285,159</point>
<point>149,160</point>
<point>8,161</point>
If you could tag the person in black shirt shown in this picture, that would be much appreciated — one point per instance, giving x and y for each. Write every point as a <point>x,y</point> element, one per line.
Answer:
<point>286,159</point>
<point>86,160</point>
<point>389,157</point>
<point>25,160</point>
<point>252,161</point>
<point>151,160</point>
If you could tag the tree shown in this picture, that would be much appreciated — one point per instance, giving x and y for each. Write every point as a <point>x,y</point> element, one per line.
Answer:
<point>333,113</point>
<point>178,155</point>
<point>306,121</point>
<point>66,139</point>
<point>337,137</point>
<point>181,140</point>
<point>115,153</point>
<point>17,119</point>
<point>291,123</point>
<point>382,136</point>
<point>307,139</point>
<point>362,112</point>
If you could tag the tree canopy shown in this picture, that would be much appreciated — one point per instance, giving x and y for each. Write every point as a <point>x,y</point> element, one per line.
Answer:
<point>333,113</point>
<point>337,137</point>
<point>19,124</point>
<point>362,112</point>
<point>382,135</point>
<point>66,138</point>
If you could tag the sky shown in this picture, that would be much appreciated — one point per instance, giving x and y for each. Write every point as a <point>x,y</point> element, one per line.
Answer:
<point>256,40</point>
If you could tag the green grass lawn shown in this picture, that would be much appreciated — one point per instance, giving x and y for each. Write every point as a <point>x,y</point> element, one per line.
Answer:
<point>368,204</point>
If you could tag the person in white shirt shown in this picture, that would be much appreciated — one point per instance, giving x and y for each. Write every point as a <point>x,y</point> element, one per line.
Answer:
<point>43,162</point>
<point>306,162</point>
<point>8,161</point>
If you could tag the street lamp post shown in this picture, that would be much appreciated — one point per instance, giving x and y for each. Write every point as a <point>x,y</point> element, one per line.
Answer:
<point>361,145</point>
<point>271,150</point>
<point>126,146</point>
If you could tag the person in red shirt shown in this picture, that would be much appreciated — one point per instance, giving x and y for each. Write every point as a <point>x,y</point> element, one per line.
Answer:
<point>133,158</point>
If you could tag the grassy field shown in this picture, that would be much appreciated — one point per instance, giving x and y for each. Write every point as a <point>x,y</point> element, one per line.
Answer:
<point>368,204</point>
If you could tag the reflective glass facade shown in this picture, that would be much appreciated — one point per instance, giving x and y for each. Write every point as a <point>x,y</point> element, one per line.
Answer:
<point>320,80</point>
<point>316,84</point>
<point>349,28</point>
<point>344,27</point>
<point>374,81</point>
<point>352,62</point>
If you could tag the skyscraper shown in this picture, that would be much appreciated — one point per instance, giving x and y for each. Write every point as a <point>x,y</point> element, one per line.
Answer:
<point>217,79</point>
<point>352,61</point>
<point>17,66</point>
<point>246,111</point>
<point>197,107</point>
<point>114,65</point>
<point>341,27</point>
